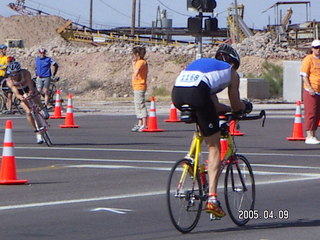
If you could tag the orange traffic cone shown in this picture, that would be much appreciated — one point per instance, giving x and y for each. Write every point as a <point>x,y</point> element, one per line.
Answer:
<point>297,132</point>
<point>8,174</point>
<point>173,115</point>
<point>233,129</point>
<point>57,107</point>
<point>223,147</point>
<point>152,119</point>
<point>69,121</point>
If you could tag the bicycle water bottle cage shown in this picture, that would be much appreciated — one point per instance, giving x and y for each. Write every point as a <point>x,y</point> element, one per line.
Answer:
<point>188,115</point>
<point>224,127</point>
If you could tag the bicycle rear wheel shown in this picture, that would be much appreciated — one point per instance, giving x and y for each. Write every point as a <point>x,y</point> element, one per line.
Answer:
<point>183,193</point>
<point>52,93</point>
<point>239,189</point>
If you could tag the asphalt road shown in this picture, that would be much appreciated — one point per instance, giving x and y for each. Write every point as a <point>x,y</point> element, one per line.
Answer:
<point>101,181</point>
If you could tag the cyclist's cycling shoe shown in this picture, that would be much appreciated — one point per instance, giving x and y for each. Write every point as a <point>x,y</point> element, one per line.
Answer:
<point>214,208</point>
<point>39,139</point>
<point>45,112</point>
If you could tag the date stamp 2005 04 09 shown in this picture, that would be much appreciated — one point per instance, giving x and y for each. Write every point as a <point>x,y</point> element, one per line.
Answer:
<point>265,214</point>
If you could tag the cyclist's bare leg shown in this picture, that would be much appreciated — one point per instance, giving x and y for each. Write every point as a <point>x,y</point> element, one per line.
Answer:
<point>46,96</point>
<point>9,101</point>
<point>213,144</point>
<point>213,205</point>
<point>28,115</point>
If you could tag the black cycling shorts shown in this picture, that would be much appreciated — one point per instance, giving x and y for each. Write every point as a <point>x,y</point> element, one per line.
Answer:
<point>198,98</point>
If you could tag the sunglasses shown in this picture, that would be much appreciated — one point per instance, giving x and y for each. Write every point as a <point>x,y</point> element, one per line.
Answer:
<point>318,47</point>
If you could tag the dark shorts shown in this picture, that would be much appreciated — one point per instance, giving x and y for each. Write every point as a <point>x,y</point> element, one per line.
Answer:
<point>198,98</point>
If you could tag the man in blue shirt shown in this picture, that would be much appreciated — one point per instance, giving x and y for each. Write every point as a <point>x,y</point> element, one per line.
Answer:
<point>44,74</point>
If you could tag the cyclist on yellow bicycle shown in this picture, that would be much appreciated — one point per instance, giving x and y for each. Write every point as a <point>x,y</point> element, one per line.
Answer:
<point>21,84</point>
<point>197,86</point>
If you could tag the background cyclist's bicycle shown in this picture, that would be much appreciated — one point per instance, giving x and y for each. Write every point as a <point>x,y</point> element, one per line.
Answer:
<point>187,186</point>
<point>52,90</point>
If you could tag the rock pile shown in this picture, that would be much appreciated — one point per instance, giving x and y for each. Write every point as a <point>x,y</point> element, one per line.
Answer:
<point>105,71</point>
<point>262,45</point>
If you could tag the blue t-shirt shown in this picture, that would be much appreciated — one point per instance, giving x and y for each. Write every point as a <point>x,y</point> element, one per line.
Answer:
<point>43,66</point>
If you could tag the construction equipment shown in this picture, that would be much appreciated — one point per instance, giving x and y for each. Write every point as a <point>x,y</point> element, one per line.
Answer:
<point>237,27</point>
<point>25,10</point>
<point>14,43</point>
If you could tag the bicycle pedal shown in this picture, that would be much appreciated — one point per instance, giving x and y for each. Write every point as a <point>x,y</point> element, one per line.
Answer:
<point>214,217</point>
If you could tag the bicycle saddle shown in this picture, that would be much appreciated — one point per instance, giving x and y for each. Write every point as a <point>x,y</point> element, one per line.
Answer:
<point>188,115</point>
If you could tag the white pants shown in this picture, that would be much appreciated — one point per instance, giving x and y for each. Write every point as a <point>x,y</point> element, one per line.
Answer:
<point>140,103</point>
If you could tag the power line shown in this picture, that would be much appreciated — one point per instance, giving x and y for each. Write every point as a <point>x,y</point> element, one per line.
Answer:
<point>75,18</point>
<point>115,9</point>
<point>182,14</point>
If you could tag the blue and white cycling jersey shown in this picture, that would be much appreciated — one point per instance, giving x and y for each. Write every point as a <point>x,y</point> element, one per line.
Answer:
<point>216,74</point>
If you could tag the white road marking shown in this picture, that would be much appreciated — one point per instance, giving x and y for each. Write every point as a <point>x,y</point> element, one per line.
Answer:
<point>163,151</point>
<point>290,177</point>
<point>134,195</point>
<point>113,210</point>
<point>84,200</point>
<point>256,172</point>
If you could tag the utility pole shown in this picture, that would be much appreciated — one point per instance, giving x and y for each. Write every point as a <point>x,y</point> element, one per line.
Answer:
<point>236,22</point>
<point>133,16</point>
<point>91,7</point>
<point>139,13</point>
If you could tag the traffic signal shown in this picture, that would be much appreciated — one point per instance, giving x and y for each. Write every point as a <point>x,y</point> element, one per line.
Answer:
<point>211,25</point>
<point>194,25</point>
<point>201,5</point>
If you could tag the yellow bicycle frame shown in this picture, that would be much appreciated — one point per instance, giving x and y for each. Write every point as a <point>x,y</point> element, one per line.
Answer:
<point>196,149</point>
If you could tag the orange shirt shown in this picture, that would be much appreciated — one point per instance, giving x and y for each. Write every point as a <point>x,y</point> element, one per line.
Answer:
<point>311,67</point>
<point>139,75</point>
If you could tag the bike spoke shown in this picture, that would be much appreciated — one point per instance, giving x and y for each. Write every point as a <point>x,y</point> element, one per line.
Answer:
<point>239,189</point>
<point>183,196</point>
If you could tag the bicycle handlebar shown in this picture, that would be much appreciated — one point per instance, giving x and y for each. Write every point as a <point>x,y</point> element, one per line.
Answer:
<point>240,117</point>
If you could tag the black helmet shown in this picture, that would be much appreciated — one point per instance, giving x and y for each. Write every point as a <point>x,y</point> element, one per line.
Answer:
<point>226,50</point>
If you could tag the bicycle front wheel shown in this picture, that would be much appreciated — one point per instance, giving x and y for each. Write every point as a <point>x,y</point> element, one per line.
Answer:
<point>42,127</point>
<point>239,189</point>
<point>46,137</point>
<point>183,192</point>
<point>2,102</point>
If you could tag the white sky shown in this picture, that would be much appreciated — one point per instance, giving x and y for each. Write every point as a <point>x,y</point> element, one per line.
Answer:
<point>116,13</point>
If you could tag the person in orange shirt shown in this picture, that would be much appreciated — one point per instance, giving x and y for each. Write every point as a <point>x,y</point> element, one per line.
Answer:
<point>310,73</point>
<point>139,85</point>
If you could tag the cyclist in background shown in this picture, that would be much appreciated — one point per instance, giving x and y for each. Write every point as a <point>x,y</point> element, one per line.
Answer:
<point>21,84</point>
<point>3,61</point>
<point>43,73</point>
<point>197,86</point>
<point>6,90</point>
